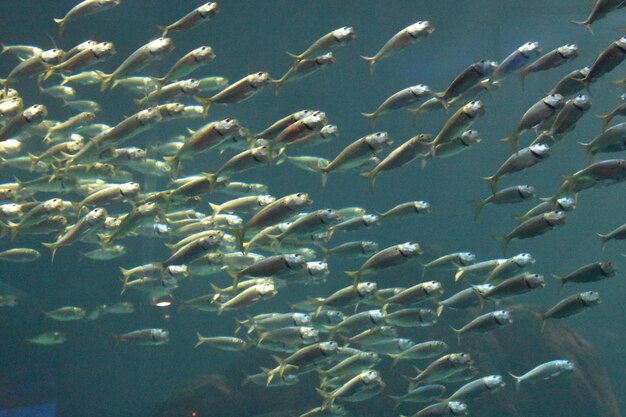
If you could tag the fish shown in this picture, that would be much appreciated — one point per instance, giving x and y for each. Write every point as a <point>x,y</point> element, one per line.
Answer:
<point>248,296</point>
<point>400,156</point>
<point>421,394</point>
<point>519,161</point>
<point>516,60</point>
<point>457,145</point>
<point>570,84</point>
<point>460,121</point>
<point>171,92</point>
<point>399,100</point>
<point>478,388</point>
<point>605,62</point>
<point>595,271</point>
<point>23,120</point>
<point>538,113</point>
<point>363,386</point>
<point>34,66</point>
<point>544,371</point>
<point>443,367</point>
<point>484,323</point>
<point>552,59</point>
<point>562,204</point>
<point>304,68</point>
<point>221,342</point>
<point>97,53</point>
<point>513,286</point>
<point>612,139</point>
<point>48,339</point>
<point>572,305</point>
<point>464,299</point>
<point>356,152</point>
<point>534,226</point>
<point>239,91</point>
<point>565,121</point>
<point>509,267</point>
<point>192,19</point>
<point>509,195</point>
<point>469,78</point>
<point>404,38</point>
<point>334,410</point>
<point>328,42</point>
<point>617,234</point>
<point>443,409</point>
<point>84,8</point>
<point>190,62</point>
<point>139,59</point>
<point>88,224</point>
<point>145,337</point>
<point>273,213</point>
<point>69,313</point>
<point>617,111</point>
<point>391,256</point>
<point>600,9</point>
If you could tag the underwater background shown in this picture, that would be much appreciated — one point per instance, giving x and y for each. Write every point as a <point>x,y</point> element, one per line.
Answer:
<point>87,377</point>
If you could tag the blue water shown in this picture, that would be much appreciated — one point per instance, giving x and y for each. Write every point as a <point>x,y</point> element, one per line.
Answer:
<point>86,377</point>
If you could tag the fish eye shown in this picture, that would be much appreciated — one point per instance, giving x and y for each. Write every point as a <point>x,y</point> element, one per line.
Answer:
<point>259,73</point>
<point>345,28</point>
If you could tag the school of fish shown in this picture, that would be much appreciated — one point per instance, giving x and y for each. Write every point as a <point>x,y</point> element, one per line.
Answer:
<point>80,190</point>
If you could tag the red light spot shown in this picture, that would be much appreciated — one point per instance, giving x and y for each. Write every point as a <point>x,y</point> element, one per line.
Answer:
<point>193,414</point>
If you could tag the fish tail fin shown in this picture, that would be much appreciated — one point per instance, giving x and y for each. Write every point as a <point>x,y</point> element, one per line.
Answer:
<point>106,82</point>
<point>372,63</point>
<point>605,120</point>
<point>163,30</point>
<point>236,276</point>
<point>240,325</point>
<point>518,381</point>
<point>371,117</point>
<point>603,240</point>
<point>433,149</point>
<point>424,160</point>
<point>206,104</point>
<point>459,274</point>
<point>395,358</point>
<point>278,84</point>
<point>240,235</point>
<point>458,334</point>
<point>216,209</point>
<point>115,340</point>
<point>47,74</point>
<point>200,341</point>
<point>522,79</point>
<point>586,24</point>
<point>13,228</point>
<point>439,309</point>
<point>327,396</point>
<point>53,247</point>
<point>371,178</point>
<point>324,174</point>
<point>61,23</point>
<point>294,56</point>
<point>505,240</point>
<point>560,280</point>
<point>479,205</point>
<point>414,113</point>
<point>397,400</point>
<point>174,162</point>
<point>355,276</point>
<point>514,139</point>
<point>493,182</point>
